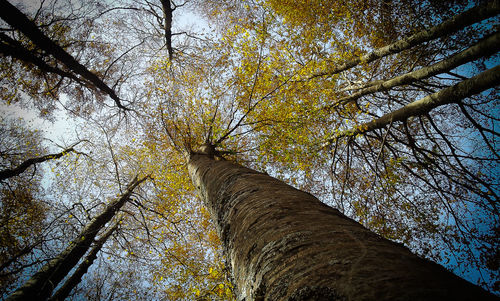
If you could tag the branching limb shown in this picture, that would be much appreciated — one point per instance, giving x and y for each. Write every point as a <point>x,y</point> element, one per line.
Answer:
<point>15,18</point>
<point>484,48</point>
<point>469,17</point>
<point>453,94</point>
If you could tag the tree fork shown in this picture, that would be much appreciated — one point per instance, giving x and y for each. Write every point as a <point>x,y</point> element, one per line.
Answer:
<point>284,244</point>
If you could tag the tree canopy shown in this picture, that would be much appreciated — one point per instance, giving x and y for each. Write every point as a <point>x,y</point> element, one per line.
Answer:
<point>385,110</point>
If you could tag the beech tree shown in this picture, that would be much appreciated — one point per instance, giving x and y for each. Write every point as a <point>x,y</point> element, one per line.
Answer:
<point>284,244</point>
<point>309,113</point>
<point>390,120</point>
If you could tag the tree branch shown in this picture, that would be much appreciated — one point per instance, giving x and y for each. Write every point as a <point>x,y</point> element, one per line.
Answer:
<point>471,16</point>
<point>15,18</point>
<point>453,94</point>
<point>8,173</point>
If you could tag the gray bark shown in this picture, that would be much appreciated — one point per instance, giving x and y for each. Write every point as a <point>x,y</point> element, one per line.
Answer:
<point>41,284</point>
<point>484,48</point>
<point>284,244</point>
<point>454,94</point>
<point>471,16</point>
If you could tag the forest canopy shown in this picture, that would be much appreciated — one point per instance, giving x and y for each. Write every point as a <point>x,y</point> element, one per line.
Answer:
<point>385,110</point>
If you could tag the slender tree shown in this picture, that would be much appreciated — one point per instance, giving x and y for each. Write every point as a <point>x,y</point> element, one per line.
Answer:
<point>11,172</point>
<point>167,25</point>
<point>19,21</point>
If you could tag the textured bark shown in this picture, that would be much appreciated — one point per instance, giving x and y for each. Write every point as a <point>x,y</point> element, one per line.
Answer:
<point>15,18</point>
<point>477,84</point>
<point>284,244</point>
<point>8,173</point>
<point>63,292</point>
<point>471,16</point>
<point>484,48</point>
<point>40,286</point>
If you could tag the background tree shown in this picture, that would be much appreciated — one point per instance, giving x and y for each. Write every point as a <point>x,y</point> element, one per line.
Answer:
<point>63,292</point>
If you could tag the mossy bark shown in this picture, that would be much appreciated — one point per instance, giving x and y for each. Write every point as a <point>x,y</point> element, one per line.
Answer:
<point>284,244</point>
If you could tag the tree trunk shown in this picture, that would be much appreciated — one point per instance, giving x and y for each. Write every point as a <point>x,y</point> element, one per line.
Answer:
<point>167,26</point>
<point>40,286</point>
<point>63,292</point>
<point>284,244</point>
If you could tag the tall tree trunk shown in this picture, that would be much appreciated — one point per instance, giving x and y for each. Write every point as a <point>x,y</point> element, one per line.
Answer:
<point>40,286</point>
<point>284,244</point>
<point>63,292</point>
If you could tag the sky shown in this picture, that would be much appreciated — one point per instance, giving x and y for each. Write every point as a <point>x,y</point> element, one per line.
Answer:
<point>61,130</point>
